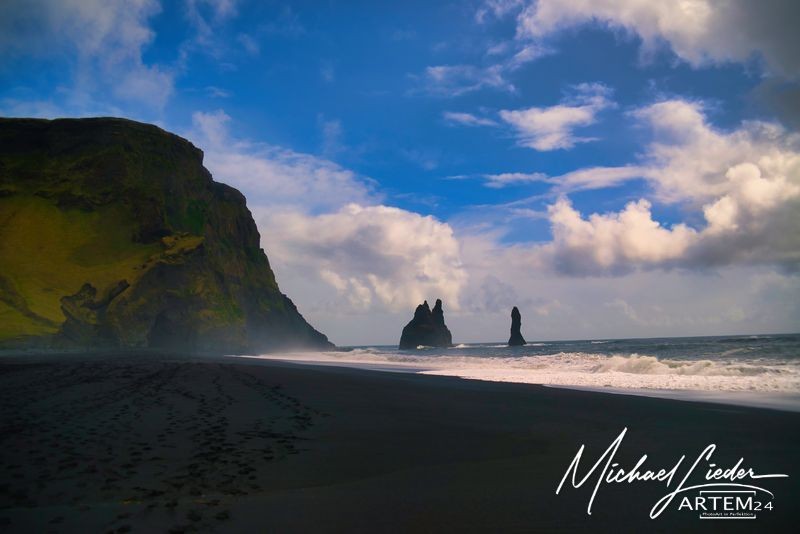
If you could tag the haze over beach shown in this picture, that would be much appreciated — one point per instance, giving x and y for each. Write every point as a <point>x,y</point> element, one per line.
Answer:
<point>262,261</point>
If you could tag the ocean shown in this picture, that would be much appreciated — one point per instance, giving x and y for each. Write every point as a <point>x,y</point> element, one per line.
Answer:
<point>761,370</point>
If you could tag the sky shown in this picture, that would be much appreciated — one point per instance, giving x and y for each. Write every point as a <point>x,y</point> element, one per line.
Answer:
<point>614,168</point>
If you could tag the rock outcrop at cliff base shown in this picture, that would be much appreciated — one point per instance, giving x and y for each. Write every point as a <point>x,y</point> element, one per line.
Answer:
<point>114,235</point>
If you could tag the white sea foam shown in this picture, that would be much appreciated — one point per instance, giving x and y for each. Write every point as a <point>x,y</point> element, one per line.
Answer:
<point>581,369</point>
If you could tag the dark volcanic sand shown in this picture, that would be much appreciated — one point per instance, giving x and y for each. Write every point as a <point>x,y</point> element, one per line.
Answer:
<point>159,443</point>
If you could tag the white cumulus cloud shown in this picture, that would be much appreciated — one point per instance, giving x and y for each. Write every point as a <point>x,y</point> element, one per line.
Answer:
<point>744,185</point>
<point>552,128</point>
<point>275,176</point>
<point>700,32</point>
<point>614,242</point>
<point>373,255</point>
<point>335,248</point>
<point>690,159</point>
<point>104,41</point>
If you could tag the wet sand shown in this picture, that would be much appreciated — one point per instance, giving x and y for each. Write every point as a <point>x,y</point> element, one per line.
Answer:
<point>172,443</point>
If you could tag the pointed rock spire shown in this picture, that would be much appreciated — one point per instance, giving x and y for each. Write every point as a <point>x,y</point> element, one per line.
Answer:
<point>516,338</point>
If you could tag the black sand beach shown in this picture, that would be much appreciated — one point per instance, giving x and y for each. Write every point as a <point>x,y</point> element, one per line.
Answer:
<point>170,443</point>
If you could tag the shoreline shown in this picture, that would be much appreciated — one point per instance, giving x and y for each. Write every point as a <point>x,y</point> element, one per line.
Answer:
<point>789,402</point>
<point>184,443</point>
<point>765,401</point>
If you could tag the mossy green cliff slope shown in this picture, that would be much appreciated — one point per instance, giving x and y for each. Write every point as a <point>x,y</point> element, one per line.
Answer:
<point>113,234</point>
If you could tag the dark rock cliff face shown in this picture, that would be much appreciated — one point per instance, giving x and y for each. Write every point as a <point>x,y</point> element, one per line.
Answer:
<point>427,328</point>
<point>516,338</point>
<point>113,234</point>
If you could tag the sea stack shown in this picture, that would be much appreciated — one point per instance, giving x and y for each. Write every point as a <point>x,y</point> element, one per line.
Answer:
<point>427,328</point>
<point>516,338</point>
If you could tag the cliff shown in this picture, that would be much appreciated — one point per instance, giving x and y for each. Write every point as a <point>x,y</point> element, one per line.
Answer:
<point>427,328</point>
<point>113,234</point>
<point>516,338</point>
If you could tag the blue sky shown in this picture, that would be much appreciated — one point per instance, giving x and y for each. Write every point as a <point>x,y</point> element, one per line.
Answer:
<point>614,168</point>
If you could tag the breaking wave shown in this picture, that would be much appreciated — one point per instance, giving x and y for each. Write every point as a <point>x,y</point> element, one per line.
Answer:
<point>581,369</point>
